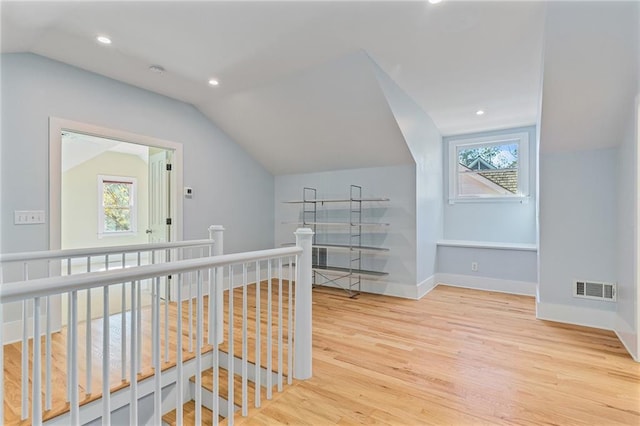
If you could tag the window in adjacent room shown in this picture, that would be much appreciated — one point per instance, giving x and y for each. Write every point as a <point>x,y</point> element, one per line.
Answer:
<point>116,205</point>
<point>489,168</point>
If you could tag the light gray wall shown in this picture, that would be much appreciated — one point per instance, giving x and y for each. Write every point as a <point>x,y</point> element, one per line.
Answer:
<point>425,143</point>
<point>506,222</point>
<point>578,203</point>
<point>395,182</point>
<point>230,187</point>
<point>512,265</point>
<point>627,231</point>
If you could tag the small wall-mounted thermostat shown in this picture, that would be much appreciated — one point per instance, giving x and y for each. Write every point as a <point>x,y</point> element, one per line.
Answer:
<point>188,192</point>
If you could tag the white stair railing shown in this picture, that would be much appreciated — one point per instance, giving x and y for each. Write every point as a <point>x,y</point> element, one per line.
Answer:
<point>28,265</point>
<point>222,271</point>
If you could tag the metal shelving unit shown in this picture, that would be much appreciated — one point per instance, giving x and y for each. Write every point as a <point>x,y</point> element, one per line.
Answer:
<point>348,277</point>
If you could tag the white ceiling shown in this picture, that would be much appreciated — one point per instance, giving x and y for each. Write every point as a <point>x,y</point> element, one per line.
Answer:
<point>286,84</point>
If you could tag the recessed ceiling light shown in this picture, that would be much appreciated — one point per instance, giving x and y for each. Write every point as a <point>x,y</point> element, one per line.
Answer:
<point>104,39</point>
<point>479,112</point>
<point>156,69</point>
<point>435,1</point>
<point>213,82</point>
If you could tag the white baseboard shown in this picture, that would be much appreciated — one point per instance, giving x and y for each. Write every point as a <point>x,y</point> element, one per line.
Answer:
<point>405,291</point>
<point>489,284</point>
<point>587,317</point>
<point>12,331</point>
<point>426,286</point>
<point>628,337</point>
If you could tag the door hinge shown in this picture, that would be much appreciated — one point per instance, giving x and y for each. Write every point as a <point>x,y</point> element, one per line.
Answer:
<point>168,221</point>
<point>168,167</point>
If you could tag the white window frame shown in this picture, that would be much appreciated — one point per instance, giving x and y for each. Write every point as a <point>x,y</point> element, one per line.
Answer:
<point>133,205</point>
<point>521,138</point>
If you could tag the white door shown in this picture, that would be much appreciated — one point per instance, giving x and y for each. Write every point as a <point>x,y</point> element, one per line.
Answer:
<point>159,199</point>
<point>159,230</point>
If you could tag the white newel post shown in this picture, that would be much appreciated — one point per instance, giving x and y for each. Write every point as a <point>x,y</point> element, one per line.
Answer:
<point>216,233</point>
<point>302,335</point>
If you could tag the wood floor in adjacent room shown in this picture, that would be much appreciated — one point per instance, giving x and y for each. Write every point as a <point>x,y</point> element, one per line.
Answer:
<point>456,357</point>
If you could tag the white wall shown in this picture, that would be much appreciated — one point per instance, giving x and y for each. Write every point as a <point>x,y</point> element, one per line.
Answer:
<point>627,230</point>
<point>230,187</point>
<point>425,143</point>
<point>80,200</point>
<point>578,234</point>
<point>396,183</point>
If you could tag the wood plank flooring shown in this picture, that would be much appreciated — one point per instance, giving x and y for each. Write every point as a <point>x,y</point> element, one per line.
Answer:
<point>12,352</point>
<point>456,357</point>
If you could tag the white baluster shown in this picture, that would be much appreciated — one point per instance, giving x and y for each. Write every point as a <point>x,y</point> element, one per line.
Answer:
<point>138,316</point>
<point>199,321</point>
<point>155,314</point>
<point>290,324</point>
<point>280,325</point>
<point>123,332</point>
<point>302,368</point>
<point>217,233</point>
<point>157,393</point>
<point>230,407</point>
<point>106,359</point>
<point>25,352</point>
<point>258,373</point>
<point>190,328</point>
<point>47,351</point>
<point>179,373</point>
<point>166,311</point>
<point>133,379</point>
<point>245,408</point>
<point>36,399</point>
<point>73,326</point>
<point>210,296</point>
<point>88,343</point>
<point>69,348</point>
<point>216,355</point>
<point>269,332</point>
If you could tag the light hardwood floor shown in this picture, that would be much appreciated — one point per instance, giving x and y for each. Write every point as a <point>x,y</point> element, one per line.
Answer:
<point>455,357</point>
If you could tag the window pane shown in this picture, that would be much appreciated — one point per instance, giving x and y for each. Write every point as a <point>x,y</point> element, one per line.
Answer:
<point>489,170</point>
<point>492,157</point>
<point>117,194</point>
<point>117,219</point>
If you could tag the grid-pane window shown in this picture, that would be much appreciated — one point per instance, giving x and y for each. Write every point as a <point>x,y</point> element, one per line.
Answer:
<point>488,168</point>
<point>117,205</point>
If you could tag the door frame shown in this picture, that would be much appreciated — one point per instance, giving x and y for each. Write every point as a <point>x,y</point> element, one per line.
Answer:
<point>57,125</point>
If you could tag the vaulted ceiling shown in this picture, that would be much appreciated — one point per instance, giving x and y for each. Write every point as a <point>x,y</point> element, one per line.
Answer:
<point>295,78</point>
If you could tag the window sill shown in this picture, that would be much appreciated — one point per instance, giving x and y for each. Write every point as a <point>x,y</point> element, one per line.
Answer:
<point>490,200</point>
<point>487,245</point>
<point>117,234</point>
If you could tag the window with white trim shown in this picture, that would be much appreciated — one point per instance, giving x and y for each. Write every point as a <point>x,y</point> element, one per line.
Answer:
<point>117,205</point>
<point>489,168</point>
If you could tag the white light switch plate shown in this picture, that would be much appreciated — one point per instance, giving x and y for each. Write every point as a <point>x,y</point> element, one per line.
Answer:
<point>28,217</point>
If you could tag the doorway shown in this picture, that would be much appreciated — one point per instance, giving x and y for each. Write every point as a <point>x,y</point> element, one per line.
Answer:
<point>108,188</point>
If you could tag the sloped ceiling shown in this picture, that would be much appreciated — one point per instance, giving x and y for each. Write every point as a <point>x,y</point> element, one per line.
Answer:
<point>331,117</point>
<point>590,74</point>
<point>289,86</point>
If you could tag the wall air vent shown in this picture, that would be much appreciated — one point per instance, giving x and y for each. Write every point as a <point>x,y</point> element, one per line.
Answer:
<point>595,290</point>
